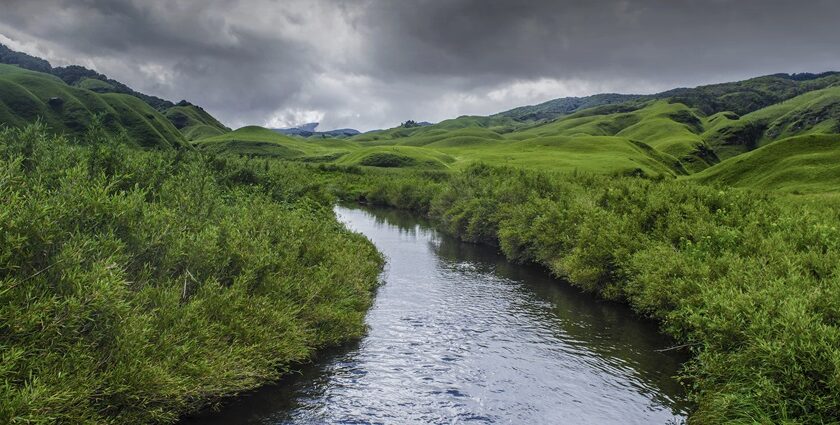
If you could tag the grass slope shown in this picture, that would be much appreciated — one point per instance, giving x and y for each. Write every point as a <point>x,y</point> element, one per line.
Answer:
<point>743,97</point>
<point>260,141</point>
<point>564,106</point>
<point>799,164</point>
<point>810,113</point>
<point>28,96</point>
<point>682,131</point>
<point>194,122</point>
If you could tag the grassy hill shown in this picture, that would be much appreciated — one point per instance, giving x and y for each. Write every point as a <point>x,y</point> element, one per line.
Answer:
<point>123,266</point>
<point>259,141</point>
<point>439,148</point>
<point>814,112</point>
<point>806,164</point>
<point>565,106</point>
<point>27,96</point>
<point>194,122</point>
<point>674,133</point>
<point>745,96</point>
<point>649,137</point>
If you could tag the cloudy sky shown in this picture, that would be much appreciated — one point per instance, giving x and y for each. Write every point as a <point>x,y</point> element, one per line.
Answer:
<point>374,63</point>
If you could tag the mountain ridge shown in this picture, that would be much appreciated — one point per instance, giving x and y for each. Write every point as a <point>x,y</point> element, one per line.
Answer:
<point>682,131</point>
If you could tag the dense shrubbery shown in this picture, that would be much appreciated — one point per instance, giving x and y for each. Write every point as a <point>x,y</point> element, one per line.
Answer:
<point>749,282</point>
<point>135,286</point>
<point>387,160</point>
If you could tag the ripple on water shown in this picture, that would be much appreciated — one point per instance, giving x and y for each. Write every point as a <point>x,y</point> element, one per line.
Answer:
<point>457,334</point>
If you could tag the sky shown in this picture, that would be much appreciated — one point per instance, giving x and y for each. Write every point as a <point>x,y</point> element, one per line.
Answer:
<point>369,64</point>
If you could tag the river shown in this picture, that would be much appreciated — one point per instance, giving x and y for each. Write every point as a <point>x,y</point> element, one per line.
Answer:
<point>459,335</point>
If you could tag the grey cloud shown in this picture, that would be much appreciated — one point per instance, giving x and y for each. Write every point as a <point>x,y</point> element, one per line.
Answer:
<point>680,39</point>
<point>374,63</point>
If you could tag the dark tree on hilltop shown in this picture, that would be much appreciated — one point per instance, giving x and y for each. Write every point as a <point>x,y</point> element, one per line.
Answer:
<point>23,60</point>
<point>409,124</point>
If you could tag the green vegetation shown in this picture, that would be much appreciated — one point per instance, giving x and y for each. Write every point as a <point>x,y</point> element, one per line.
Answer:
<point>78,76</point>
<point>742,97</point>
<point>259,141</point>
<point>564,106</point>
<point>749,282</point>
<point>95,85</point>
<point>27,96</point>
<point>804,164</point>
<point>643,136</point>
<point>810,113</point>
<point>646,135</point>
<point>37,77</point>
<point>138,285</point>
<point>194,122</point>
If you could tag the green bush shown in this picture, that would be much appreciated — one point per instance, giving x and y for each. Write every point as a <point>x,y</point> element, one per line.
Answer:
<point>139,285</point>
<point>750,283</point>
<point>387,160</point>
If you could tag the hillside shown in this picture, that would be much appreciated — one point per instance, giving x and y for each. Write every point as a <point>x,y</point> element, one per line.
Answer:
<point>79,76</point>
<point>817,111</point>
<point>742,97</point>
<point>803,164</point>
<point>27,96</point>
<point>675,133</point>
<point>194,122</point>
<point>646,135</point>
<point>565,106</point>
<point>259,141</point>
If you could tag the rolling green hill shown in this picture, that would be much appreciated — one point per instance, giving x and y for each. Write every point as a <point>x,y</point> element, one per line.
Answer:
<point>259,141</point>
<point>679,132</point>
<point>439,148</point>
<point>814,112</point>
<point>807,164</point>
<point>27,96</point>
<point>77,76</point>
<point>745,96</point>
<point>565,106</point>
<point>194,122</point>
<point>642,136</point>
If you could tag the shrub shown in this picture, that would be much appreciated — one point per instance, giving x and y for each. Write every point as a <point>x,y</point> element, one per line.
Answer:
<point>749,282</point>
<point>139,285</point>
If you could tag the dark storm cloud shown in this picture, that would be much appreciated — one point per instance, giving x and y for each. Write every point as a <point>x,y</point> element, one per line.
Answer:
<point>645,39</point>
<point>372,63</point>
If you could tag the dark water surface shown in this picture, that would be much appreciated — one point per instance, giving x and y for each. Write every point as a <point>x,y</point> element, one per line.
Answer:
<point>459,335</point>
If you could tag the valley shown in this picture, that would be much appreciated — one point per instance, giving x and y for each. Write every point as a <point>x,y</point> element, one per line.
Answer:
<point>155,263</point>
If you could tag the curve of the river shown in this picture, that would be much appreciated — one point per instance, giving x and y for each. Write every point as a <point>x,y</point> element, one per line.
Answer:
<point>458,334</point>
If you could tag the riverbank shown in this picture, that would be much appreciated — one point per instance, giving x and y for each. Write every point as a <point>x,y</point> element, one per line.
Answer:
<point>746,281</point>
<point>139,285</point>
<point>457,333</point>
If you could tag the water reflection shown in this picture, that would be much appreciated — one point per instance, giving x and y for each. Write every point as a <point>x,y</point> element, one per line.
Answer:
<point>458,334</point>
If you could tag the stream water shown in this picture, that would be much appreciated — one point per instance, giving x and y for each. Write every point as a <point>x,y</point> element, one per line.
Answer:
<point>458,334</point>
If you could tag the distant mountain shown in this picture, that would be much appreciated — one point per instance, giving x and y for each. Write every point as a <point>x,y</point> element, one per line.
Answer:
<point>308,130</point>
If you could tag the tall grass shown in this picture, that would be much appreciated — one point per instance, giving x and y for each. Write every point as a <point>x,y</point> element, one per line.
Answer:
<point>139,285</point>
<point>748,282</point>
